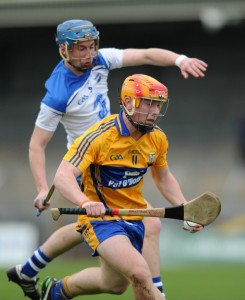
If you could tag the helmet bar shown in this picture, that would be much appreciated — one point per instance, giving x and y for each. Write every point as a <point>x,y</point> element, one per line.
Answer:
<point>87,37</point>
<point>160,99</point>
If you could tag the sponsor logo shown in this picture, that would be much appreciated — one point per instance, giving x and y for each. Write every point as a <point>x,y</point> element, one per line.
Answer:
<point>82,100</point>
<point>131,173</point>
<point>124,183</point>
<point>116,157</point>
<point>85,97</point>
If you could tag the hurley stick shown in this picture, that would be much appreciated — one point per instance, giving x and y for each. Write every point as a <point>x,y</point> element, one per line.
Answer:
<point>202,210</point>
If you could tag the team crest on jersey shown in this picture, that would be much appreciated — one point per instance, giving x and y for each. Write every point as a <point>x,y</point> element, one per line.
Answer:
<point>152,155</point>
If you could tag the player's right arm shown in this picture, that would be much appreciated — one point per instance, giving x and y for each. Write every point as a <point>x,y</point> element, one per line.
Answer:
<point>65,181</point>
<point>38,143</point>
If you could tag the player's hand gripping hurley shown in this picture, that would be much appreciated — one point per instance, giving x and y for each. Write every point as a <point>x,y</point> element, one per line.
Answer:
<point>202,210</point>
<point>50,193</point>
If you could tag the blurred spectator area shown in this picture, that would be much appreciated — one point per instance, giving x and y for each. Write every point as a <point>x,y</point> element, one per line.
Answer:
<point>213,13</point>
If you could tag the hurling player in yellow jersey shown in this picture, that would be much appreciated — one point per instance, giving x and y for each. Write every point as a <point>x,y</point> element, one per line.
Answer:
<point>112,158</point>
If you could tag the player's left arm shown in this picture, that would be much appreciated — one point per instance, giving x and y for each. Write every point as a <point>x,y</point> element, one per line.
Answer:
<point>169,187</point>
<point>163,58</point>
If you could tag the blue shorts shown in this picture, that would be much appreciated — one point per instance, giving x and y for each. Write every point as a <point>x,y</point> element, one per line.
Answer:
<point>95,232</point>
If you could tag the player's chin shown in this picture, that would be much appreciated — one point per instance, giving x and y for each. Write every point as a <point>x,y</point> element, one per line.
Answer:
<point>150,122</point>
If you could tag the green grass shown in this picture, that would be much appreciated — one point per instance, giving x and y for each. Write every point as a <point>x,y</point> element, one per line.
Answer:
<point>211,281</point>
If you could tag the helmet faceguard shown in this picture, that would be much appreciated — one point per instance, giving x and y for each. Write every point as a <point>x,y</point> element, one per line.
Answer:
<point>72,33</point>
<point>144,91</point>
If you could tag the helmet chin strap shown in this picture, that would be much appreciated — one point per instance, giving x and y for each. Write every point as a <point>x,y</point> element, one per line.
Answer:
<point>140,127</point>
<point>81,69</point>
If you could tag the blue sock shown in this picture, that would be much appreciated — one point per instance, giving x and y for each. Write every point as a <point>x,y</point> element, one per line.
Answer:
<point>58,292</point>
<point>158,283</point>
<point>35,263</point>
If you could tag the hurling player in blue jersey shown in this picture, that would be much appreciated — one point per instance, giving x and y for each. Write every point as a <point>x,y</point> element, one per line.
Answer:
<point>107,183</point>
<point>77,98</point>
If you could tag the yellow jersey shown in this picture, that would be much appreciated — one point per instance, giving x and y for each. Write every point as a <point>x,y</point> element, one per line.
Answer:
<point>113,164</point>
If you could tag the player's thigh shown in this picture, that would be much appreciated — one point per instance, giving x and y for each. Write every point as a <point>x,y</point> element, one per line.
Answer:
<point>152,225</point>
<point>119,254</point>
<point>64,238</point>
<point>68,234</point>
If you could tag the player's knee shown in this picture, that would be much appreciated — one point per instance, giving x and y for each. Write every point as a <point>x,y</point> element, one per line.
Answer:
<point>140,276</point>
<point>114,285</point>
<point>152,227</point>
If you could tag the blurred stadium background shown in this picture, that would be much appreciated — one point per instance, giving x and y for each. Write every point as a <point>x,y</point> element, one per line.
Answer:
<point>205,122</point>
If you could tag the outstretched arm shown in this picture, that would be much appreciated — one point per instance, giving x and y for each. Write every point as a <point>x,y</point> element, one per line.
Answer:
<point>164,58</point>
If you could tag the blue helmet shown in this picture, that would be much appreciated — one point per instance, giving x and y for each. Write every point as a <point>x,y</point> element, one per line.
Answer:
<point>72,31</point>
<point>75,31</point>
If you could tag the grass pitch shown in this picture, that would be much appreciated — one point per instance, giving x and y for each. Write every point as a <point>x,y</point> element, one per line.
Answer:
<point>195,282</point>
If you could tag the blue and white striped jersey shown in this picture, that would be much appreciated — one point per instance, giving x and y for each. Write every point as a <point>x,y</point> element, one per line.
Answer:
<point>78,101</point>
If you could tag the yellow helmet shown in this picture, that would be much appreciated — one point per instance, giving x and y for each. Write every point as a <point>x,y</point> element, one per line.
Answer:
<point>142,87</point>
